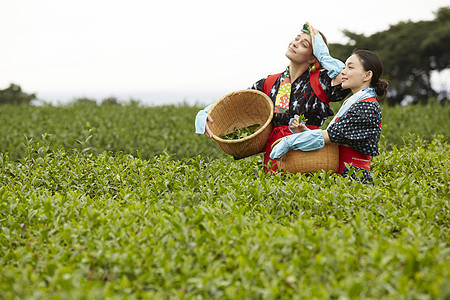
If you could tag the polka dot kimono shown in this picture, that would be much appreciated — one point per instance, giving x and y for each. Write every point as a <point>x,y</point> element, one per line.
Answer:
<point>359,129</point>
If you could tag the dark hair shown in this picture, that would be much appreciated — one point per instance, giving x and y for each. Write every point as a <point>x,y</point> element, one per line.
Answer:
<point>371,62</point>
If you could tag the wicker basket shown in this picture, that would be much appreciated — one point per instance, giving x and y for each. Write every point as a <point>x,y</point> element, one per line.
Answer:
<point>241,109</point>
<point>298,161</point>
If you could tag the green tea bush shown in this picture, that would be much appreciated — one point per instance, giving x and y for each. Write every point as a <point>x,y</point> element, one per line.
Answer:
<point>109,201</point>
<point>94,128</point>
<point>81,226</point>
<point>133,128</point>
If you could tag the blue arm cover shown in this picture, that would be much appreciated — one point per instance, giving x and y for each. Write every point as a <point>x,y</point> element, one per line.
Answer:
<point>334,66</point>
<point>200,120</point>
<point>305,141</point>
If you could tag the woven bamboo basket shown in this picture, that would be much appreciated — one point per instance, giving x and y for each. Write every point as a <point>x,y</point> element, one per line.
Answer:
<point>298,161</point>
<point>241,109</point>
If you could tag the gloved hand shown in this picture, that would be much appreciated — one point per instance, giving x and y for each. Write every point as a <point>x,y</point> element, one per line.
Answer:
<point>305,141</point>
<point>280,149</point>
<point>200,120</point>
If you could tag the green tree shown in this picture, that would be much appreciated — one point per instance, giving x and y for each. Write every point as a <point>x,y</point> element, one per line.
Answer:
<point>410,51</point>
<point>14,95</point>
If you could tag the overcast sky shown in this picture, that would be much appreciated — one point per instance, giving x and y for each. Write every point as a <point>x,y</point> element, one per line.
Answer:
<point>170,50</point>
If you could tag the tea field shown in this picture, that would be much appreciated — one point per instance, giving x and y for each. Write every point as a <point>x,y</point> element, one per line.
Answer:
<point>126,202</point>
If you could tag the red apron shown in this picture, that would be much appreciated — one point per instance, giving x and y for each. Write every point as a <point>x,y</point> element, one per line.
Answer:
<point>278,131</point>
<point>357,159</point>
<point>349,155</point>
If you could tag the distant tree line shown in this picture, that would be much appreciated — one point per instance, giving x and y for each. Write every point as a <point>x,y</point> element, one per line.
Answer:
<point>14,95</point>
<point>410,51</point>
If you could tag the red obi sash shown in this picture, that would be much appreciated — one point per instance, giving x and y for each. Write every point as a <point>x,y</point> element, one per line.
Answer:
<point>278,132</point>
<point>357,159</point>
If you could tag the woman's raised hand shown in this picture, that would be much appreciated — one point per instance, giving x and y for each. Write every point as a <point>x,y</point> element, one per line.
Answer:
<point>313,31</point>
<point>298,127</point>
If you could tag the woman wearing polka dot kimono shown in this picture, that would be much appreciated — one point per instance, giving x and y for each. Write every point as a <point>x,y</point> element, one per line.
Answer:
<point>357,125</point>
<point>306,87</point>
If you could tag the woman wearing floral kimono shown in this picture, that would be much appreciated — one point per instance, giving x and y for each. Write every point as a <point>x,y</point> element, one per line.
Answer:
<point>304,88</point>
<point>357,125</point>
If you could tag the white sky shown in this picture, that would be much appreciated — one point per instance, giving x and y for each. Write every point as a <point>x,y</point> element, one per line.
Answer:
<point>194,50</point>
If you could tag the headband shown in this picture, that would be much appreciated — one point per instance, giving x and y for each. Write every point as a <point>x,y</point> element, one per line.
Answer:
<point>306,28</point>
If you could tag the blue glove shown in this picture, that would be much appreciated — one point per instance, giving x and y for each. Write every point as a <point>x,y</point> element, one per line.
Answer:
<point>320,50</point>
<point>305,141</point>
<point>280,149</point>
<point>200,120</point>
<point>292,120</point>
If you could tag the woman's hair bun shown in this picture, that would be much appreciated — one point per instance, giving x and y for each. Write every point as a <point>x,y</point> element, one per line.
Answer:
<point>381,88</point>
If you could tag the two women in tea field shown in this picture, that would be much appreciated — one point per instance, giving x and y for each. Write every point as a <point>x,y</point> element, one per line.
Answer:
<point>304,88</point>
<point>313,79</point>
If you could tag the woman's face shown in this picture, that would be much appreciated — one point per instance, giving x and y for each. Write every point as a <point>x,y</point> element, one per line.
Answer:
<point>300,49</point>
<point>354,76</point>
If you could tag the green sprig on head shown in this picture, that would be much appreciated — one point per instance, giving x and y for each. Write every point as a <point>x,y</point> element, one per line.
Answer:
<point>306,28</point>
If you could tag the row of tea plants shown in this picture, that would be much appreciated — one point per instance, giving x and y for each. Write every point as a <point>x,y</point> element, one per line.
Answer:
<point>126,202</point>
<point>75,225</point>
<point>151,130</point>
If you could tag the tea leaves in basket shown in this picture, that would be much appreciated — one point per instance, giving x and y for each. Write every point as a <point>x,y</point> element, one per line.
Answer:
<point>240,133</point>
